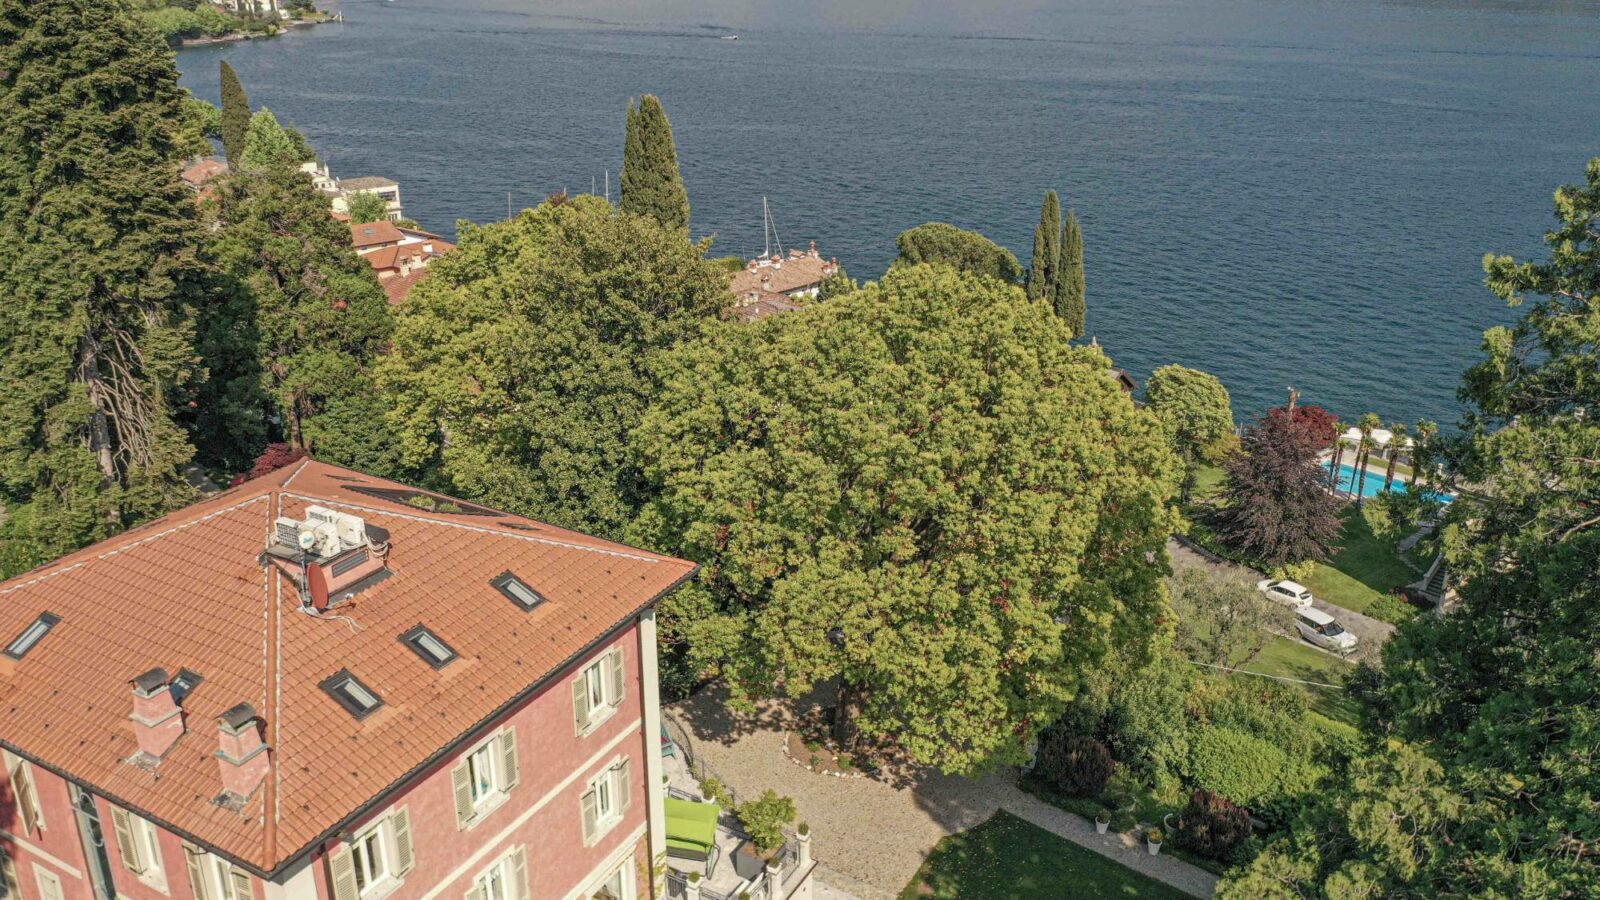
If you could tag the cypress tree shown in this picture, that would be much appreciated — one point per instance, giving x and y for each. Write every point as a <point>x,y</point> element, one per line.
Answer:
<point>1042,277</point>
<point>1069,292</point>
<point>235,115</point>
<point>100,276</point>
<point>651,184</point>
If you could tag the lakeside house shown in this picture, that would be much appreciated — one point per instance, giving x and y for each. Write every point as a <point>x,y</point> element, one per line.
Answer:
<point>399,256</point>
<point>341,190</point>
<point>324,685</point>
<point>778,283</point>
<point>256,7</point>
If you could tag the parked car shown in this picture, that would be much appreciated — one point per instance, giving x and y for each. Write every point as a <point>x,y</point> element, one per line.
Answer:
<point>1323,630</point>
<point>1289,593</point>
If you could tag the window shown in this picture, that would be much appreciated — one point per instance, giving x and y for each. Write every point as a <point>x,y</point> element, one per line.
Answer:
<point>376,859</point>
<point>617,886</point>
<point>49,883</point>
<point>140,846</point>
<point>518,590</point>
<point>184,683</point>
<point>433,650</point>
<point>10,889</point>
<point>597,691</point>
<point>505,879</point>
<point>484,776</point>
<point>606,801</point>
<point>31,635</point>
<point>214,878</point>
<point>26,793</point>
<point>357,699</point>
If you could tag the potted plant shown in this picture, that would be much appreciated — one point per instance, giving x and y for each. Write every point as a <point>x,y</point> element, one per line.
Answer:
<point>1153,840</point>
<point>1102,820</point>
<point>1123,821</point>
<point>763,819</point>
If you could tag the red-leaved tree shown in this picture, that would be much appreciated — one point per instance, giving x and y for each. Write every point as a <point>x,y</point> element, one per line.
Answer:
<point>1278,509</point>
<point>275,457</point>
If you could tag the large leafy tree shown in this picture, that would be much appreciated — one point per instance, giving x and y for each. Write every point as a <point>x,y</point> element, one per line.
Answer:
<point>308,319</point>
<point>1197,412</point>
<point>1044,268</point>
<point>1277,509</point>
<point>235,123</point>
<point>969,251</point>
<point>651,183</point>
<point>919,492</point>
<point>518,369</point>
<point>99,277</point>
<point>1070,293</point>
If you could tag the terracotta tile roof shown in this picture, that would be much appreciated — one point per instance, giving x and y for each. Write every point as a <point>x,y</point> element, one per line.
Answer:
<point>399,287</point>
<point>783,275</point>
<point>417,252</point>
<point>197,175</point>
<point>190,591</point>
<point>759,304</point>
<point>373,234</point>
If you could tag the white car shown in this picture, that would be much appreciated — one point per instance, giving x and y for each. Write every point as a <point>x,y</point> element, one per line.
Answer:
<point>1289,593</point>
<point>1321,629</point>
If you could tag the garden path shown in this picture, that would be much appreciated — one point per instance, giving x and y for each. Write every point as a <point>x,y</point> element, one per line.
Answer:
<point>871,835</point>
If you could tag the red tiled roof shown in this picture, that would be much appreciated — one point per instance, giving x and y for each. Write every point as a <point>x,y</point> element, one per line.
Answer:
<point>189,591</point>
<point>399,287</point>
<point>203,171</point>
<point>760,304</point>
<point>798,271</point>
<point>372,234</point>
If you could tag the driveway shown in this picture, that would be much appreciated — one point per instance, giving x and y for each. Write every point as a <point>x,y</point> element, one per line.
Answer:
<point>1372,633</point>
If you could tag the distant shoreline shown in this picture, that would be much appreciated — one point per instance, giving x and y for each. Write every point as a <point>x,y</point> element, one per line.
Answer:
<point>234,37</point>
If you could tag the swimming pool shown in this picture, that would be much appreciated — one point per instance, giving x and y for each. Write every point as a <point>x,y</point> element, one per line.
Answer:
<point>1349,478</point>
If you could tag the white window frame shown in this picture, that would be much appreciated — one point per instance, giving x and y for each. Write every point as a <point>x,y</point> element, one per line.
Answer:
<point>49,883</point>
<point>623,876</point>
<point>606,785</point>
<point>603,698</point>
<point>365,861</point>
<point>482,760</point>
<point>147,841</point>
<point>501,868</point>
<point>18,772</point>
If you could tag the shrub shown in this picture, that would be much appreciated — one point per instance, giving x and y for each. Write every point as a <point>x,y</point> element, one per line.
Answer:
<point>1153,835</point>
<point>1123,822</point>
<point>1392,608</point>
<point>765,817</point>
<point>1239,766</point>
<point>1104,815</point>
<point>1075,765</point>
<point>711,787</point>
<point>1212,826</point>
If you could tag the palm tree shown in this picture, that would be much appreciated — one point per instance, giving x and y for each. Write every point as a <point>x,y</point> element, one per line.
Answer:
<point>1336,455</point>
<point>1397,441</point>
<point>1369,423</point>
<point>1425,430</point>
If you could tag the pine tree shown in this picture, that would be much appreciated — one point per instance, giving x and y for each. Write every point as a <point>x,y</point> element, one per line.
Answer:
<point>1069,289</point>
<point>267,144</point>
<point>100,276</point>
<point>1042,270</point>
<point>235,115</point>
<point>651,184</point>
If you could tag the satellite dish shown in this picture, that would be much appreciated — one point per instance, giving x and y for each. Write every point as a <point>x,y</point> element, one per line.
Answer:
<point>308,540</point>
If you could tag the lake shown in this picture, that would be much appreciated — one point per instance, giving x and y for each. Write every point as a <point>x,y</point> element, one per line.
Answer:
<point>1281,193</point>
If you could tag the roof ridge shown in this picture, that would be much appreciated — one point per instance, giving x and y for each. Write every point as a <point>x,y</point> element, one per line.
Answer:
<point>123,548</point>
<point>479,528</point>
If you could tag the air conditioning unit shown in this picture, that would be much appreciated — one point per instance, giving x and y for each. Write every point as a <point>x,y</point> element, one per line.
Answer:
<point>352,530</point>
<point>286,531</point>
<point>321,515</point>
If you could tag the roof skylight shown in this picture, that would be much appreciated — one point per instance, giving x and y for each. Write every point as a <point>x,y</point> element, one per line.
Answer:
<point>348,691</point>
<point>31,635</point>
<point>433,650</point>
<point>518,590</point>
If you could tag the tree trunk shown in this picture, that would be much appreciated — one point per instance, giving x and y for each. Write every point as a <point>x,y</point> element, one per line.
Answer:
<point>848,710</point>
<point>1361,466</point>
<point>1388,474</point>
<point>1333,467</point>
<point>99,426</point>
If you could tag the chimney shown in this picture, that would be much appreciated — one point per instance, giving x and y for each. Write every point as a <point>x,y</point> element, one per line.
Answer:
<point>157,720</point>
<point>241,754</point>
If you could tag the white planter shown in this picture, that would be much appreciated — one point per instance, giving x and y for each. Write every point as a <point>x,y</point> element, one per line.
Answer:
<point>1155,847</point>
<point>1100,827</point>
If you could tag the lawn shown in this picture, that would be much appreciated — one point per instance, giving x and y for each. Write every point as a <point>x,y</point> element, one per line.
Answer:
<point>1290,658</point>
<point>1006,858</point>
<point>1363,572</point>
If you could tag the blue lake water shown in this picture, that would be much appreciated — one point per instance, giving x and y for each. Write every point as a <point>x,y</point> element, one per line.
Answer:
<point>1282,192</point>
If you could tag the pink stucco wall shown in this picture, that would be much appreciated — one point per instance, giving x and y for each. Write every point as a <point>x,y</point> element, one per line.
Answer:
<point>555,766</point>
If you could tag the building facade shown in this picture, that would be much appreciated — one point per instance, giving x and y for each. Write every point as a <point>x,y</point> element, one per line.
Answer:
<point>445,702</point>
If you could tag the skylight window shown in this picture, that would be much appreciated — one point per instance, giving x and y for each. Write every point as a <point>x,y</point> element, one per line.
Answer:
<point>31,635</point>
<point>518,590</point>
<point>433,650</point>
<point>184,683</point>
<point>348,691</point>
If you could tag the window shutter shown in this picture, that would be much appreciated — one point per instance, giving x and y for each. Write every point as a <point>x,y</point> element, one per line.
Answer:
<point>49,884</point>
<point>508,759</point>
<point>404,856</point>
<point>519,873</point>
<point>614,672</point>
<point>8,872</point>
<point>342,872</point>
<point>476,892</point>
<point>197,878</point>
<point>240,881</point>
<point>22,786</point>
<point>590,816</point>
<point>580,701</point>
<point>624,782</point>
<point>461,779</point>
<point>125,843</point>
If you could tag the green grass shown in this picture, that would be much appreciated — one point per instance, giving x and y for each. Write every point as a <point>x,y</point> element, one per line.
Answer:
<point>1006,858</point>
<point>1147,808</point>
<point>1207,482</point>
<point>1290,658</point>
<point>1362,573</point>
